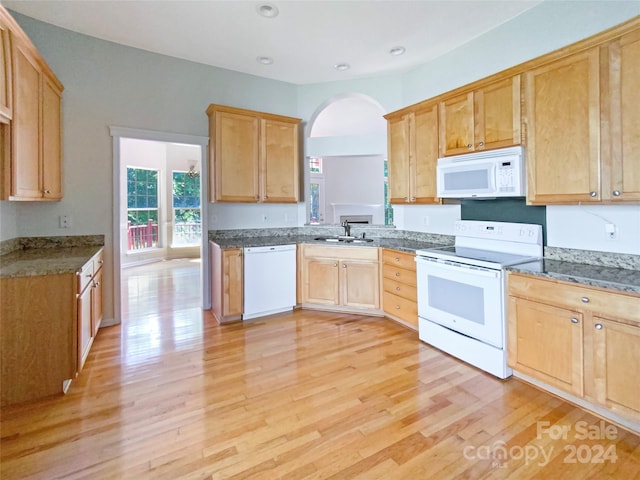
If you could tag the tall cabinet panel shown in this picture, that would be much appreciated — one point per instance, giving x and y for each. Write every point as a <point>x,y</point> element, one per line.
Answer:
<point>280,177</point>
<point>624,77</point>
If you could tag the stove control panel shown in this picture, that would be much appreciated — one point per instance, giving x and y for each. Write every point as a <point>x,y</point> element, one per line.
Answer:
<point>506,231</point>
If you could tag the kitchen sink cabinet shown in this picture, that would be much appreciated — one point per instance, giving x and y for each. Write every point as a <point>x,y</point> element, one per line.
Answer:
<point>340,277</point>
<point>226,283</point>
<point>413,154</point>
<point>582,340</point>
<point>485,118</point>
<point>32,160</point>
<point>399,297</point>
<point>254,156</point>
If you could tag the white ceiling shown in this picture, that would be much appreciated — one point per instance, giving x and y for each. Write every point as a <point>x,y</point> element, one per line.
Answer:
<point>305,40</point>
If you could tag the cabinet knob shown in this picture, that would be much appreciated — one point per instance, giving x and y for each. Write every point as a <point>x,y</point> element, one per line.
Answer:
<point>593,194</point>
<point>344,265</point>
<point>469,146</point>
<point>584,299</point>
<point>481,144</point>
<point>397,307</point>
<point>89,275</point>
<point>100,262</point>
<point>397,289</point>
<point>266,196</point>
<point>413,199</point>
<point>335,264</point>
<point>46,191</point>
<point>616,193</point>
<point>598,326</point>
<point>397,274</point>
<point>406,199</point>
<point>397,259</point>
<point>574,320</point>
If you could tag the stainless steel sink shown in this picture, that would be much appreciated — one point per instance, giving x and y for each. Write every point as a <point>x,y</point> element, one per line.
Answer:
<point>345,239</point>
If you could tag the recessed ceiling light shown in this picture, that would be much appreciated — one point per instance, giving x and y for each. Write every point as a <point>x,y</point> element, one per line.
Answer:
<point>342,66</point>
<point>265,60</point>
<point>267,10</point>
<point>396,51</point>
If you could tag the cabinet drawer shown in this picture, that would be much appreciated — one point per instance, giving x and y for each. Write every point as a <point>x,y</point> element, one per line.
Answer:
<point>399,259</point>
<point>605,302</point>
<point>341,252</point>
<point>402,308</point>
<point>84,276</point>
<point>98,261</point>
<point>398,274</point>
<point>401,289</point>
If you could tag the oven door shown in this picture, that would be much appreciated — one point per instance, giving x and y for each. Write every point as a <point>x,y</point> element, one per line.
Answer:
<point>464,298</point>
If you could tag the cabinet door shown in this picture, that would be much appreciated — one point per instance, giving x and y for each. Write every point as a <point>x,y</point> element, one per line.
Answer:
<point>563,130</point>
<point>232,282</point>
<point>422,174</point>
<point>360,284</point>
<point>497,115</point>
<point>398,147</point>
<point>85,334</point>
<point>456,125</point>
<point>624,157</point>
<point>235,157</point>
<point>51,141</point>
<point>320,279</point>
<point>97,311</point>
<point>545,342</point>
<point>25,142</point>
<point>6,100</point>
<point>616,362</point>
<point>279,161</point>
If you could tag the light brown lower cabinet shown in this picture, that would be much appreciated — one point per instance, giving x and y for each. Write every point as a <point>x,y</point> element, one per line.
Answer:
<point>47,326</point>
<point>226,283</point>
<point>399,297</point>
<point>340,277</point>
<point>582,340</point>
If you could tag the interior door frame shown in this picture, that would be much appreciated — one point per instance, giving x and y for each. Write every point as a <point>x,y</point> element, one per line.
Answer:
<point>117,133</point>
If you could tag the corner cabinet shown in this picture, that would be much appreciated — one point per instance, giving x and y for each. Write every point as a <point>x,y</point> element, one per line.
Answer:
<point>32,152</point>
<point>582,340</point>
<point>484,118</point>
<point>226,283</point>
<point>412,138</point>
<point>254,156</point>
<point>340,278</point>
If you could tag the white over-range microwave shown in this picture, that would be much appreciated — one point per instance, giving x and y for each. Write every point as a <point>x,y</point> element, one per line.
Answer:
<point>486,174</point>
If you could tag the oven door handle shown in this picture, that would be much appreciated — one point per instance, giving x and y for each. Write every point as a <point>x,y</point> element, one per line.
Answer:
<point>451,265</point>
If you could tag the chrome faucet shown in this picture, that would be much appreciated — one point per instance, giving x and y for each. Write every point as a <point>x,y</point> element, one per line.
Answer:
<point>347,228</point>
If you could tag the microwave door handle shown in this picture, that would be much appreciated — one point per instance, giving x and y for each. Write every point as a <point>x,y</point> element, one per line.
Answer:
<point>492,177</point>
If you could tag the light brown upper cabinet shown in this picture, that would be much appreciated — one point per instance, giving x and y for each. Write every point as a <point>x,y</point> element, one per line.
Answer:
<point>484,118</point>
<point>621,148</point>
<point>32,140</point>
<point>254,156</point>
<point>562,119</point>
<point>412,139</point>
<point>6,100</point>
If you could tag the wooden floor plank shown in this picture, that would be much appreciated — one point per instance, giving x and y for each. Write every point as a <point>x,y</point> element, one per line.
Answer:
<point>170,394</point>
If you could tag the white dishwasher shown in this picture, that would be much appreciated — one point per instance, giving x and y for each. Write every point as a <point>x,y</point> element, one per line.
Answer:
<point>269,280</point>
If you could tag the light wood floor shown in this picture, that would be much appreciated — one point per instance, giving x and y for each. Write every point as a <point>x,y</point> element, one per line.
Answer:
<point>304,395</point>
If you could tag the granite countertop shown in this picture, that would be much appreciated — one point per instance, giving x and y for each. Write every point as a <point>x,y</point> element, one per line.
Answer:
<point>35,257</point>
<point>405,245</point>
<point>614,278</point>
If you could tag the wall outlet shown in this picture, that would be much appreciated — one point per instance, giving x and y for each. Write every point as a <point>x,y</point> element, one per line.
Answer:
<point>611,231</point>
<point>65,221</point>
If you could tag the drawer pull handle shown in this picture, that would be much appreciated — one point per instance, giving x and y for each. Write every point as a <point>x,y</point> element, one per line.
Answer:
<point>585,299</point>
<point>598,326</point>
<point>574,320</point>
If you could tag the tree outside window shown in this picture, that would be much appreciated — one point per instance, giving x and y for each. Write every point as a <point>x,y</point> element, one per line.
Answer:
<point>142,208</point>
<point>186,209</point>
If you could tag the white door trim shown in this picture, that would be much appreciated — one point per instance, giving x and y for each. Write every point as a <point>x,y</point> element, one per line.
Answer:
<point>124,132</point>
